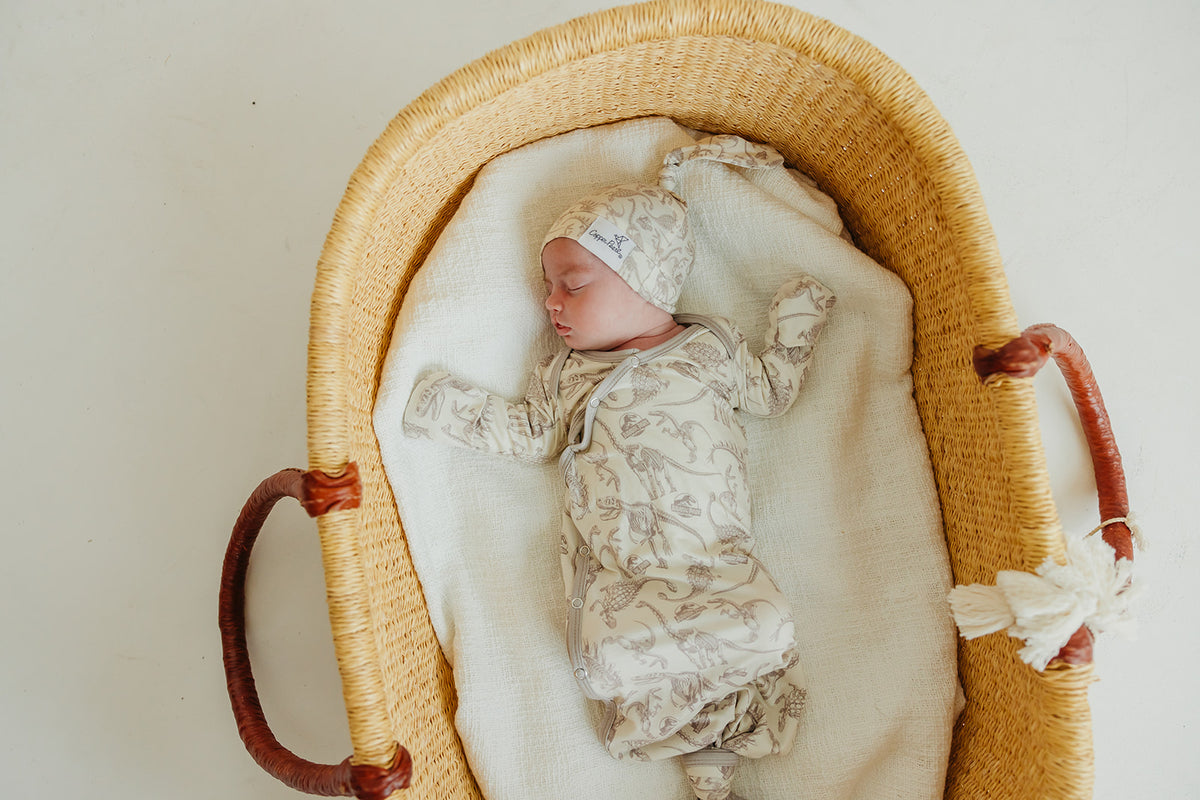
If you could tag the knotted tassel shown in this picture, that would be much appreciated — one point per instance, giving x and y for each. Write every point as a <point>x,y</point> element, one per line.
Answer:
<point>711,773</point>
<point>1045,609</point>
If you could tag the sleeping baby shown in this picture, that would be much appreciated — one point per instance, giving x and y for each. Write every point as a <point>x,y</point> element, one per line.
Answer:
<point>672,622</point>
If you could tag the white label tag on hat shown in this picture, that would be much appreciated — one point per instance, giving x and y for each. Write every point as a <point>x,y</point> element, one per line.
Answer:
<point>607,242</point>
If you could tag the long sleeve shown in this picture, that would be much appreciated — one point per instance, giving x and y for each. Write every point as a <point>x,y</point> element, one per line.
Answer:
<point>770,381</point>
<point>447,409</point>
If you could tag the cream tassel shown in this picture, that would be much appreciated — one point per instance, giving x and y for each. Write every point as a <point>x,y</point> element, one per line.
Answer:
<point>1046,608</point>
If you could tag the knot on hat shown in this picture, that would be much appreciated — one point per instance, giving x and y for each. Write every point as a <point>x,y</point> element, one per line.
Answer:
<point>641,231</point>
<point>725,148</point>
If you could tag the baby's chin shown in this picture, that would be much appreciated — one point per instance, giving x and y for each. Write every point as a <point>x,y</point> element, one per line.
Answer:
<point>574,340</point>
<point>578,341</point>
<point>590,339</point>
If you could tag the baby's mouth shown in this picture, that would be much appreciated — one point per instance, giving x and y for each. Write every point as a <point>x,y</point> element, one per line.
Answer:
<point>560,329</point>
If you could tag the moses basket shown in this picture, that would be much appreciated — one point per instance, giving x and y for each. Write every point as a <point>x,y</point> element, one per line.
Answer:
<point>842,113</point>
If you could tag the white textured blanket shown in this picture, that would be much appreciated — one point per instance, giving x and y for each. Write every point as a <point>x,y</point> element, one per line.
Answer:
<point>846,514</point>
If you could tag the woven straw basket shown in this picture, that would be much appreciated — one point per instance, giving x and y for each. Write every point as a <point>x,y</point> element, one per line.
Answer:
<point>839,111</point>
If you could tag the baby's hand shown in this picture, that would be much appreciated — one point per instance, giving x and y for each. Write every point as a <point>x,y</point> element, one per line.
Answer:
<point>798,311</point>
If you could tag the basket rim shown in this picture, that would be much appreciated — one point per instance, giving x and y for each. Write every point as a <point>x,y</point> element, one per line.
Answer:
<point>904,103</point>
<point>893,90</point>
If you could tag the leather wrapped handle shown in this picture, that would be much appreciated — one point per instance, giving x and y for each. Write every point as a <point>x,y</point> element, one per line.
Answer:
<point>319,494</point>
<point>1022,358</point>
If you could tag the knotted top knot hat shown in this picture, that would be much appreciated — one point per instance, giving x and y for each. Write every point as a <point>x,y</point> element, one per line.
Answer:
<point>641,230</point>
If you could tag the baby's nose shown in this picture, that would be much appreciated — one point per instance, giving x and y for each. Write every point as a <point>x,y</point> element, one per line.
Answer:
<point>552,303</point>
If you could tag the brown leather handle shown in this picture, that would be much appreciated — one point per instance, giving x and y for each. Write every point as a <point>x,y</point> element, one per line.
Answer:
<point>318,493</point>
<point>1022,358</point>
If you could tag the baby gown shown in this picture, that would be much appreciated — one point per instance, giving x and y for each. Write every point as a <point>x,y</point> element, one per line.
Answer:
<point>672,621</point>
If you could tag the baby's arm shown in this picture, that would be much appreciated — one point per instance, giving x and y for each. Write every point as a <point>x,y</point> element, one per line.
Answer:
<point>444,408</point>
<point>773,378</point>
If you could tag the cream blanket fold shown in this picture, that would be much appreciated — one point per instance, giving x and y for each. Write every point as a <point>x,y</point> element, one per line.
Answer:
<point>845,512</point>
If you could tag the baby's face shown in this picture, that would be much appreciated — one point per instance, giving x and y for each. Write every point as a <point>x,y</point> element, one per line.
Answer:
<point>591,307</point>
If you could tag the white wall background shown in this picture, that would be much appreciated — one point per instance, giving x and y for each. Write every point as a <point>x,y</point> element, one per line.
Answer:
<point>169,172</point>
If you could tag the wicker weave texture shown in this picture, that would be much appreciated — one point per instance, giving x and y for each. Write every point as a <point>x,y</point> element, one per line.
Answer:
<point>843,113</point>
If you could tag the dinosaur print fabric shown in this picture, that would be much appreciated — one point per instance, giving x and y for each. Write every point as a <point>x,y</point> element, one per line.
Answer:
<point>647,238</point>
<point>672,620</point>
<point>650,222</point>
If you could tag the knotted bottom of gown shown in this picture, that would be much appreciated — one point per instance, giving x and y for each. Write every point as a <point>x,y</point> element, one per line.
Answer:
<point>710,772</point>
<point>753,721</point>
